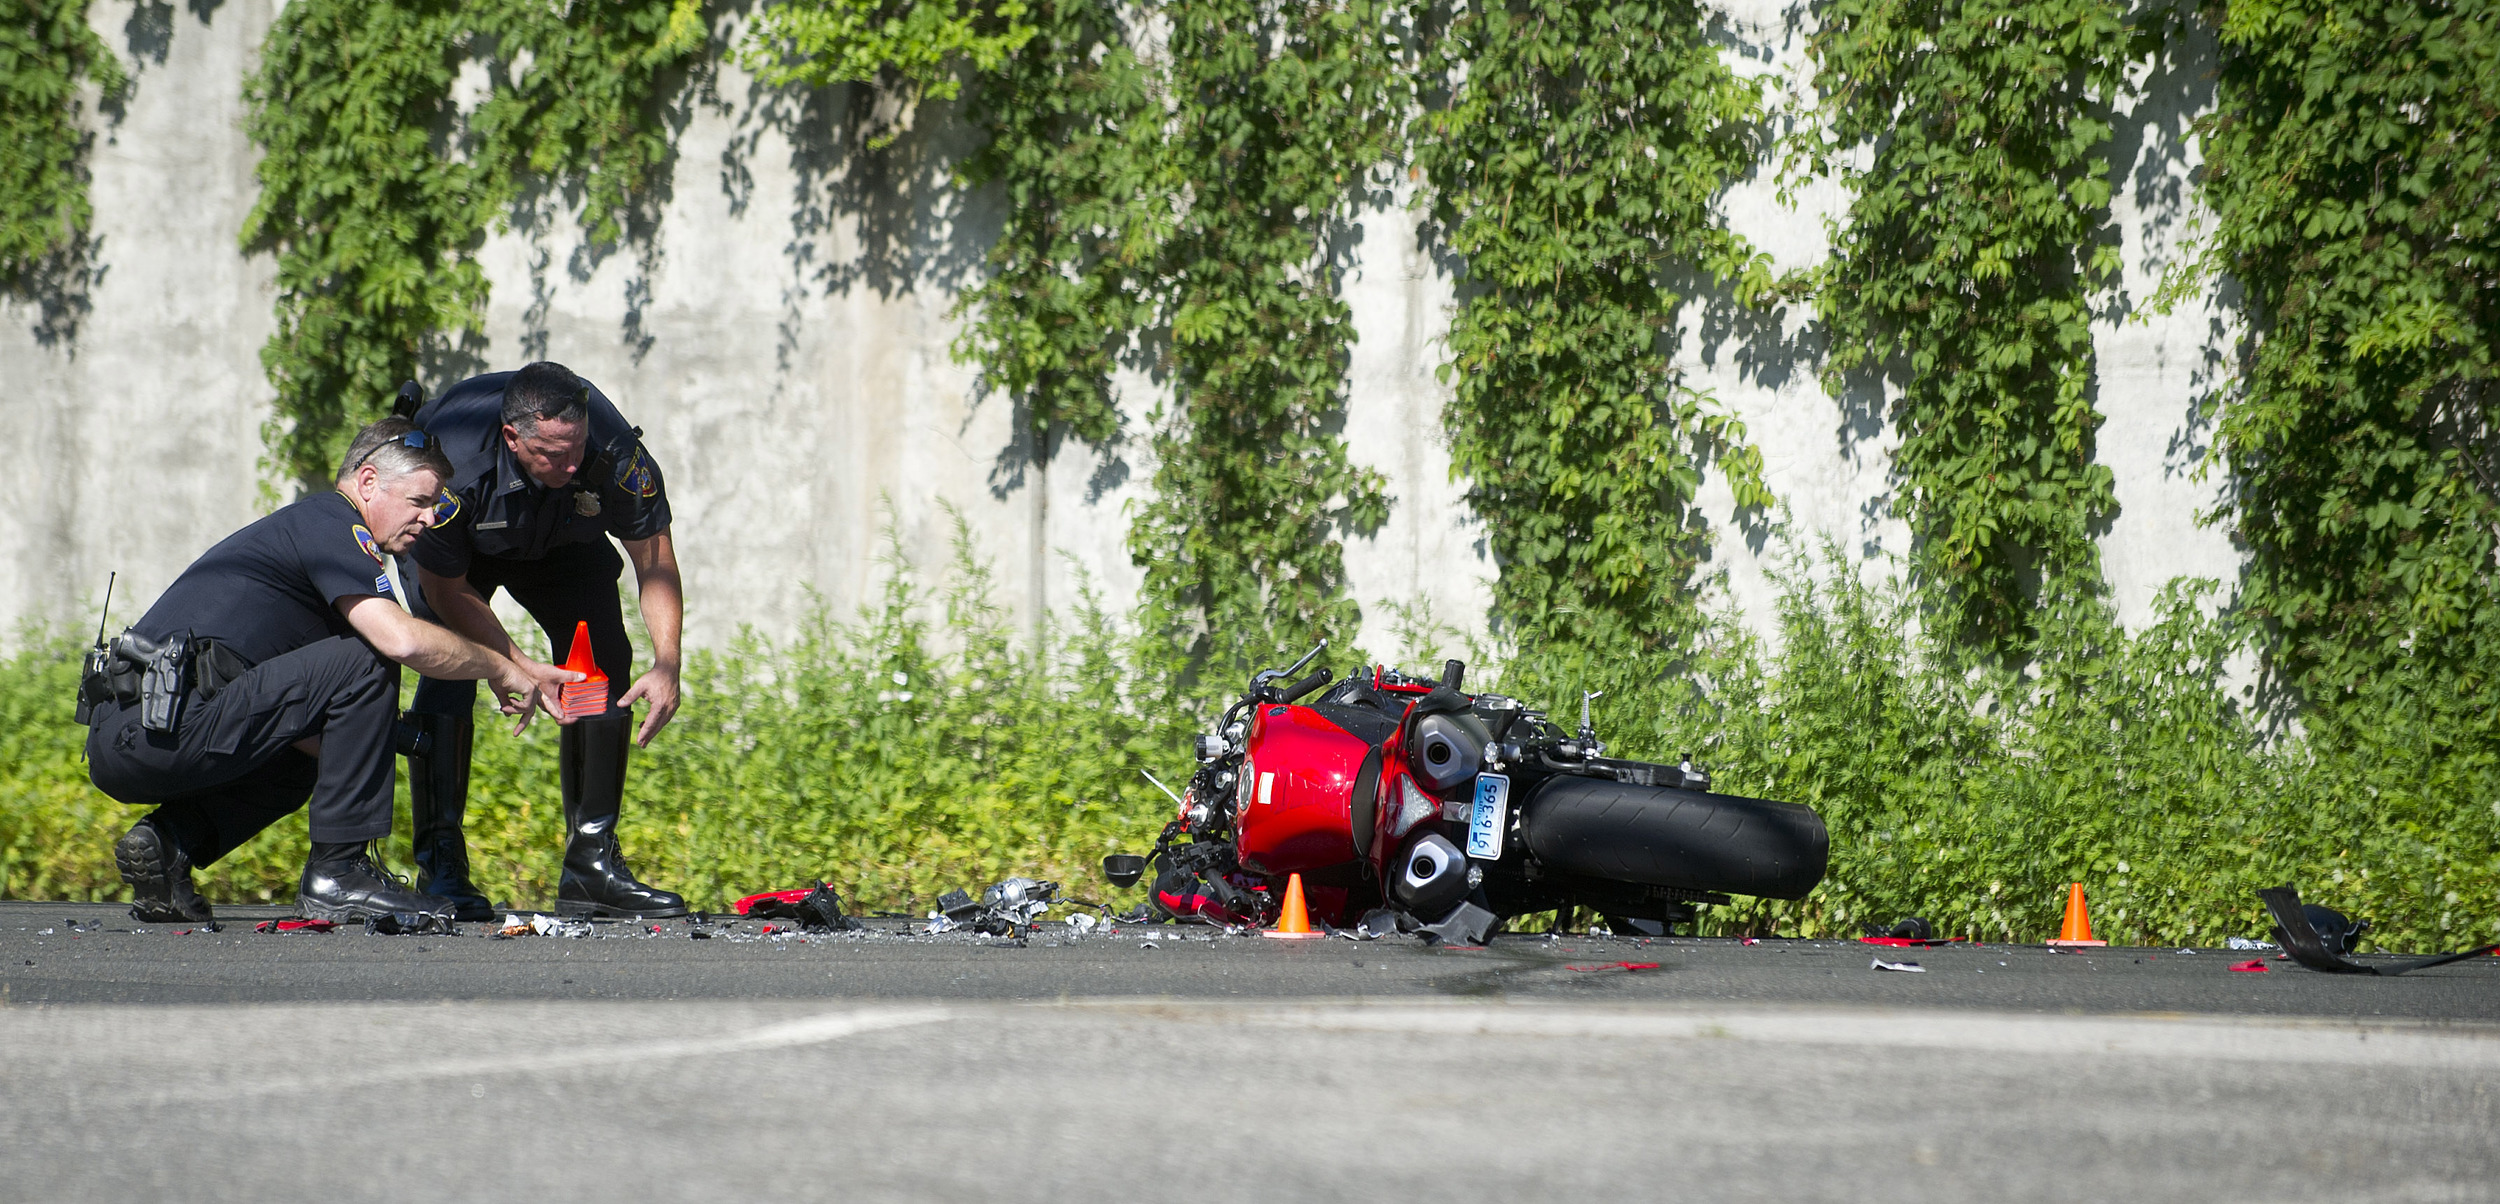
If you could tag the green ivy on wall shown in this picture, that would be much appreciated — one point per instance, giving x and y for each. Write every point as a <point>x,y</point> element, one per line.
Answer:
<point>1965,271</point>
<point>1074,137</point>
<point>46,51</point>
<point>1280,112</point>
<point>918,48</point>
<point>1576,163</point>
<point>375,193</point>
<point>2352,165</point>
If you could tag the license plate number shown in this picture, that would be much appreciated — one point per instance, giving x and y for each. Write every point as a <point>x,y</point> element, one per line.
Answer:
<point>1484,831</point>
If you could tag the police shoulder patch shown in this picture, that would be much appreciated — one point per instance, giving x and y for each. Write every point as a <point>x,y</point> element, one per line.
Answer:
<point>635,474</point>
<point>446,508</point>
<point>364,539</point>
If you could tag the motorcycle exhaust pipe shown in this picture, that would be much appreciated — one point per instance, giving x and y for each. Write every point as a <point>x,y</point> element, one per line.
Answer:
<point>1431,876</point>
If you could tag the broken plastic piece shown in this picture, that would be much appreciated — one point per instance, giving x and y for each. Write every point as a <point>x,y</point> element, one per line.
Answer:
<point>1903,967</point>
<point>2245,944</point>
<point>545,925</point>
<point>2251,966</point>
<point>956,905</point>
<point>294,926</point>
<point>816,908</point>
<point>2301,940</point>
<point>2338,933</point>
<point>409,923</point>
<point>1080,923</point>
<point>1911,930</point>
<point>1466,924</point>
<point>1615,966</point>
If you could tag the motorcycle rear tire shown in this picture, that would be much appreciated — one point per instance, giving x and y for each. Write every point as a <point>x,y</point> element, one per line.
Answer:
<point>1661,836</point>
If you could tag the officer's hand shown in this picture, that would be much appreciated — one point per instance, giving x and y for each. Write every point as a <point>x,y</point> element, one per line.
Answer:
<point>526,688</point>
<point>659,688</point>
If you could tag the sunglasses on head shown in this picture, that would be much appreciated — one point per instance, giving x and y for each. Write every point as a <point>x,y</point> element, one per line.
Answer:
<point>413,440</point>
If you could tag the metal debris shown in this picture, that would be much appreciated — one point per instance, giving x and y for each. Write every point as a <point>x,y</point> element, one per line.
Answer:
<point>1904,967</point>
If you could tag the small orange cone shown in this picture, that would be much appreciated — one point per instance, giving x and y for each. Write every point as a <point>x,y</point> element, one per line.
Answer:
<point>587,698</point>
<point>2077,930</point>
<point>1295,923</point>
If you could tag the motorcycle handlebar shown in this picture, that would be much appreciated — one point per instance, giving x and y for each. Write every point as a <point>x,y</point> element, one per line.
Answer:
<point>1318,678</point>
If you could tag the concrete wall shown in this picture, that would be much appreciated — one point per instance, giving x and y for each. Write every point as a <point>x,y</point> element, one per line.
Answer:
<point>783,339</point>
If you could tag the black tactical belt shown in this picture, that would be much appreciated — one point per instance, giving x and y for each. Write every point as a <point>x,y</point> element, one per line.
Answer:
<point>159,676</point>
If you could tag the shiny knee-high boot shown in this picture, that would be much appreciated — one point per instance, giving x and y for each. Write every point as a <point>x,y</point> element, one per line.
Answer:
<point>438,803</point>
<point>590,758</point>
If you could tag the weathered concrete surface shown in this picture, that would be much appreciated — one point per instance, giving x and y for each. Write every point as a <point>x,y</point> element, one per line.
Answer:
<point>783,339</point>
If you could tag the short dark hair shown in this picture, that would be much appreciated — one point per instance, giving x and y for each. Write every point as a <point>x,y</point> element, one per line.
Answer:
<point>544,392</point>
<point>388,445</point>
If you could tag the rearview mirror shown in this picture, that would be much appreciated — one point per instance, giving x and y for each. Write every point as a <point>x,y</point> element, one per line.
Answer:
<point>1124,869</point>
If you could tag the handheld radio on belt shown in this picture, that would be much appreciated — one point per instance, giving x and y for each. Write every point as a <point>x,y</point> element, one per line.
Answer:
<point>98,658</point>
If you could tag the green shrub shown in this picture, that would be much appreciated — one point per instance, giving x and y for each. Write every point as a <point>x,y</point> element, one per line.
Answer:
<point>929,743</point>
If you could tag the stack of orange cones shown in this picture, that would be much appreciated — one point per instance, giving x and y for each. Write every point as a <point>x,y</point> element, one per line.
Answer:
<point>1295,923</point>
<point>2076,932</point>
<point>587,698</point>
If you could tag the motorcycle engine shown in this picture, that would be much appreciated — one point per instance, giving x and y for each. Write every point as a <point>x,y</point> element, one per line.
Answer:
<point>1448,750</point>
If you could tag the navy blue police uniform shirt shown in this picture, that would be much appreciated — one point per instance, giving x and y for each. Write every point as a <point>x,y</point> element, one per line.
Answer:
<point>495,509</point>
<point>273,587</point>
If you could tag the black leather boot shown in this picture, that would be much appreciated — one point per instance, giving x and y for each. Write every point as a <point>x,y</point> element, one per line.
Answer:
<point>438,800</point>
<point>341,882</point>
<point>159,876</point>
<point>590,761</point>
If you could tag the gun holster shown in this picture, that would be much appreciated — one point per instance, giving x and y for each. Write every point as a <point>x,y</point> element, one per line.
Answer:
<point>160,677</point>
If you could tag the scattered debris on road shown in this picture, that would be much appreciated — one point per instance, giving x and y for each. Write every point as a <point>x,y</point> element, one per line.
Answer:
<point>2251,966</point>
<point>1903,967</point>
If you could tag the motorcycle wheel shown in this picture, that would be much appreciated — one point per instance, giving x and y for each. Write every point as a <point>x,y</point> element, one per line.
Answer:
<point>1660,836</point>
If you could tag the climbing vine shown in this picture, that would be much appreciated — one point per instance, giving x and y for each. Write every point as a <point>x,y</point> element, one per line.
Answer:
<point>916,48</point>
<point>2352,164</point>
<point>46,52</point>
<point>1965,274</point>
<point>376,192</point>
<point>1575,165</point>
<point>1074,132</point>
<point>1281,110</point>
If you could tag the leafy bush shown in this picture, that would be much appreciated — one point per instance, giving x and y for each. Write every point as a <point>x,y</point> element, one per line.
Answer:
<point>929,743</point>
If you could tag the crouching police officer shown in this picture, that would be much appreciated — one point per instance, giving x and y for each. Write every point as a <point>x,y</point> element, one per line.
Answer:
<point>264,677</point>
<point>544,470</point>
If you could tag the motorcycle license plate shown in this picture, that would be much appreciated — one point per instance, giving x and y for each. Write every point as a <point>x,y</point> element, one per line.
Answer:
<point>1484,832</point>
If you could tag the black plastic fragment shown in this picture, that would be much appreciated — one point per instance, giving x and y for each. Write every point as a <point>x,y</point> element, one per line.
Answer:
<point>2301,939</point>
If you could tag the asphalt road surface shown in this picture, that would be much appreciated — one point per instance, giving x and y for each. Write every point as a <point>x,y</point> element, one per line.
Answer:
<point>140,1062</point>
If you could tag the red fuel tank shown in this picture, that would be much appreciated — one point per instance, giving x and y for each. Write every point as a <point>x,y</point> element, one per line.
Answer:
<point>1297,789</point>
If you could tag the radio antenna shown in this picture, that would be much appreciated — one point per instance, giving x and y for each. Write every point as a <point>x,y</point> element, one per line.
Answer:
<point>108,607</point>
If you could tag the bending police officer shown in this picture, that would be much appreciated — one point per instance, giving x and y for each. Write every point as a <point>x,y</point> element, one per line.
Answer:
<point>263,679</point>
<point>544,471</point>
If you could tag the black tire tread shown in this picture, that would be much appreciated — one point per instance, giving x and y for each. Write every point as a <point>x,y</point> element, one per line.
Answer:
<point>1661,836</point>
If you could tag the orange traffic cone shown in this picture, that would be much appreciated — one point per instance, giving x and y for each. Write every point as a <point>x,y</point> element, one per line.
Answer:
<point>2077,930</point>
<point>1295,923</point>
<point>587,698</point>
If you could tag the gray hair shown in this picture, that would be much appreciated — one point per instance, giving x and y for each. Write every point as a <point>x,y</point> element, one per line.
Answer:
<point>395,448</point>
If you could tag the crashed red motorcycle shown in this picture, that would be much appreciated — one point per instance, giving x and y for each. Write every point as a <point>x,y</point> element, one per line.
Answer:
<point>1453,811</point>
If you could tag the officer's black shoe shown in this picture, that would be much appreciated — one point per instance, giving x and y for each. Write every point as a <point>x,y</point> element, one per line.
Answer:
<point>438,800</point>
<point>590,762</point>
<point>159,877</point>
<point>342,883</point>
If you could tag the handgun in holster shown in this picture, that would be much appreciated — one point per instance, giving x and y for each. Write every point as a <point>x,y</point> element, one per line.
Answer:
<point>162,686</point>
